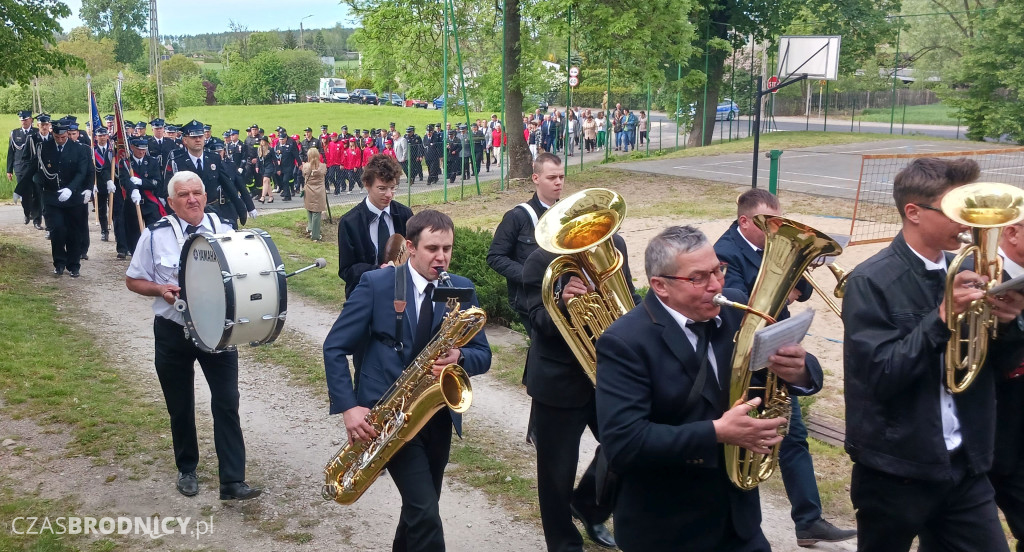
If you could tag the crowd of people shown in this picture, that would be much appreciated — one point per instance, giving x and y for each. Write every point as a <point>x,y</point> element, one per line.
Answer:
<point>582,129</point>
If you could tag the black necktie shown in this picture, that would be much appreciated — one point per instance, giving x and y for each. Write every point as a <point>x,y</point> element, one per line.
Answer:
<point>382,237</point>
<point>426,319</point>
<point>191,229</point>
<point>199,164</point>
<point>700,329</point>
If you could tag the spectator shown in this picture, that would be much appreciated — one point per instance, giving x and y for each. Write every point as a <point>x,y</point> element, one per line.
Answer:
<point>314,198</point>
<point>629,121</point>
<point>641,126</point>
<point>620,134</point>
<point>497,139</point>
<point>570,129</point>
<point>600,129</point>
<point>532,137</point>
<point>590,133</point>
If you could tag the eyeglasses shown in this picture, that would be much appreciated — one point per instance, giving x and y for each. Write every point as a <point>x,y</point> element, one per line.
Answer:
<point>929,207</point>
<point>701,278</point>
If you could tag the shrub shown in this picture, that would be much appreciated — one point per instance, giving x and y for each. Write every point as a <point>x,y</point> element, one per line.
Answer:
<point>470,260</point>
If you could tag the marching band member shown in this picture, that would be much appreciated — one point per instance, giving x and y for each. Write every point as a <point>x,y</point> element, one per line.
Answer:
<point>368,321</point>
<point>920,453</point>
<point>153,272</point>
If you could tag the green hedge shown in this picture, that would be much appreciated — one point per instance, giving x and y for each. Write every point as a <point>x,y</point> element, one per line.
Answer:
<point>470,260</point>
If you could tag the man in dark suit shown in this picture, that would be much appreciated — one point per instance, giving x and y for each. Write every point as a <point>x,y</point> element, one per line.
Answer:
<point>160,146</point>
<point>562,409</point>
<point>66,184</point>
<point>21,165</point>
<point>920,452</point>
<point>222,195</point>
<point>663,407</point>
<point>1006,358</point>
<point>418,467</point>
<point>742,246</point>
<point>287,155</point>
<point>360,249</point>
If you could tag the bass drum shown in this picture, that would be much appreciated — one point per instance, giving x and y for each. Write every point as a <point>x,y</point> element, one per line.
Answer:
<point>234,289</point>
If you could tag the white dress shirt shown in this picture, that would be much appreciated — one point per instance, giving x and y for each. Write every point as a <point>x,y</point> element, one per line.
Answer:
<point>376,218</point>
<point>419,287</point>
<point>682,320</point>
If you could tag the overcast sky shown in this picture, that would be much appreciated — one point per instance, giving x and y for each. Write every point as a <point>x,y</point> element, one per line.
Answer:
<point>191,17</point>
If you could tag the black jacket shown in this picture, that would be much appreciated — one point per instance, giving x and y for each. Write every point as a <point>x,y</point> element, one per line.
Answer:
<point>553,376</point>
<point>221,193</point>
<point>69,169</point>
<point>356,253</point>
<point>21,152</point>
<point>513,243</point>
<point>892,346</point>
<point>152,188</point>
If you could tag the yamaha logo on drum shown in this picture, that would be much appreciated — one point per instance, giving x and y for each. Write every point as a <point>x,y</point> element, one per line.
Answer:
<point>206,255</point>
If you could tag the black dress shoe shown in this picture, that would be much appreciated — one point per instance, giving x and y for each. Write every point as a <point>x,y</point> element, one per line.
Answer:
<point>85,257</point>
<point>37,225</point>
<point>75,274</point>
<point>188,483</point>
<point>823,531</point>
<point>104,236</point>
<point>58,272</point>
<point>238,491</point>
<point>596,531</point>
<point>121,255</point>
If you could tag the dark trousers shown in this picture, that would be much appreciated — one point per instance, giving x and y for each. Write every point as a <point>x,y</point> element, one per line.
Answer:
<point>433,168</point>
<point>65,223</point>
<point>417,470</point>
<point>1009,489</point>
<point>285,182</point>
<point>82,231</point>
<point>175,360</point>
<point>797,469</point>
<point>557,433</point>
<point>32,200</point>
<point>333,178</point>
<point>958,514</point>
<point>465,166</point>
<point>117,219</point>
<point>102,197</point>
<point>417,169</point>
<point>130,217</point>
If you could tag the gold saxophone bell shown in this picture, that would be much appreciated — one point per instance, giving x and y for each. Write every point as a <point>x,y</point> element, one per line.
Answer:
<point>789,248</point>
<point>986,207</point>
<point>579,228</point>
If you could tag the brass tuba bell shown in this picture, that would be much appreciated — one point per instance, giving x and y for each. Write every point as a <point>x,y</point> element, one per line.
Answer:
<point>986,207</point>
<point>579,229</point>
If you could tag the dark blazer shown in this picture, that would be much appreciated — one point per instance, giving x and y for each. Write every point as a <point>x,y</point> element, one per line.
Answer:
<point>21,152</point>
<point>356,253</point>
<point>513,243</point>
<point>221,193</point>
<point>151,189</point>
<point>69,169</point>
<point>744,264</point>
<point>553,376</point>
<point>371,307</point>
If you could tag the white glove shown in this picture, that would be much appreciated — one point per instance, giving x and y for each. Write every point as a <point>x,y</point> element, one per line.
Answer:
<point>110,186</point>
<point>253,213</point>
<point>87,196</point>
<point>239,170</point>
<point>16,198</point>
<point>136,197</point>
<point>136,180</point>
<point>64,194</point>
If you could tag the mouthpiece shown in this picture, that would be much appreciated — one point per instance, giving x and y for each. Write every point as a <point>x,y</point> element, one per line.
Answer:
<point>721,301</point>
<point>443,279</point>
<point>965,237</point>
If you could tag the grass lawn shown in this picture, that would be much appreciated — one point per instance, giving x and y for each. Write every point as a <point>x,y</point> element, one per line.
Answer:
<point>934,114</point>
<point>777,140</point>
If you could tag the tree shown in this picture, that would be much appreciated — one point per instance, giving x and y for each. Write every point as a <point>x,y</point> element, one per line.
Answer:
<point>319,44</point>
<point>990,76</point>
<point>191,91</point>
<point>97,54</point>
<point>121,20</point>
<point>24,39</point>
<point>289,41</point>
<point>301,71</point>
<point>174,69</point>
<point>139,92</point>
<point>264,42</point>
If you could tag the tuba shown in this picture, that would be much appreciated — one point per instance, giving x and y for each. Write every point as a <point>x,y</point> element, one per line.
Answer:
<point>579,229</point>
<point>986,207</point>
<point>407,406</point>
<point>789,248</point>
<point>841,274</point>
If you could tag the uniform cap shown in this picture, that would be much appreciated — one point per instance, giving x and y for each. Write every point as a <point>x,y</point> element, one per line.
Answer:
<point>193,128</point>
<point>140,124</point>
<point>410,128</point>
<point>43,118</point>
<point>71,118</point>
<point>334,135</point>
<point>109,118</point>
<point>25,115</point>
<point>307,129</point>
<point>102,131</point>
<point>206,127</point>
<point>140,143</point>
<point>72,126</point>
<point>157,123</point>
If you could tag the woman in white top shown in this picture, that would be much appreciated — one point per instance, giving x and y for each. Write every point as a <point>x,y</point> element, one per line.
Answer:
<point>600,129</point>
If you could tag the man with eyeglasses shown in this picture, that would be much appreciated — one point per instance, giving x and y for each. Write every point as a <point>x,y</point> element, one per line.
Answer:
<point>562,409</point>
<point>742,246</point>
<point>920,453</point>
<point>663,375</point>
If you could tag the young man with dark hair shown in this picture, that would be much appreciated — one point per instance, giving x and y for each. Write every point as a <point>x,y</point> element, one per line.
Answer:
<point>741,247</point>
<point>920,452</point>
<point>368,323</point>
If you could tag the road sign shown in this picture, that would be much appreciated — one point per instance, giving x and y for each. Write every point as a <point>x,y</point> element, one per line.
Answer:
<point>574,81</point>
<point>574,71</point>
<point>773,82</point>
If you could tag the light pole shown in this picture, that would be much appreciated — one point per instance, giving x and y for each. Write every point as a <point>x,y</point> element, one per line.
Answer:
<point>302,45</point>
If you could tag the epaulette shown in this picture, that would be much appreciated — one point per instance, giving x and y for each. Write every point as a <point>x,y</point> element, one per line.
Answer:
<point>162,223</point>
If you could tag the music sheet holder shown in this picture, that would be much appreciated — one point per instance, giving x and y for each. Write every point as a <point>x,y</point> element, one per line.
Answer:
<point>443,294</point>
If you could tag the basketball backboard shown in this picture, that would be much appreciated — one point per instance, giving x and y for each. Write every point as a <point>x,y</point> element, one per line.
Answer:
<point>814,56</point>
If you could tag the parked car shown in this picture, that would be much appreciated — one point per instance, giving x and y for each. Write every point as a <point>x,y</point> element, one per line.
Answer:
<point>422,104</point>
<point>393,98</point>
<point>727,110</point>
<point>363,96</point>
<point>439,102</point>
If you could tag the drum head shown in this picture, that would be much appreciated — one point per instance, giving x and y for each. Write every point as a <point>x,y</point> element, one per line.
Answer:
<point>202,288</point>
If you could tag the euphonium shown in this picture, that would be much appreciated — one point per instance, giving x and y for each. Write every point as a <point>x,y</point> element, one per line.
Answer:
<point>986,207</point>
<point>789,248</point>
<point>579,229</point>
<point>406,408</point>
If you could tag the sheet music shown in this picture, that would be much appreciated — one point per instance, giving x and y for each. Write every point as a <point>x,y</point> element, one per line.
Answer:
<point>771,338</point>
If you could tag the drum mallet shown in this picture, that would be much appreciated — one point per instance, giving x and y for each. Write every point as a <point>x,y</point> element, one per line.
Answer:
<point>319,263</point>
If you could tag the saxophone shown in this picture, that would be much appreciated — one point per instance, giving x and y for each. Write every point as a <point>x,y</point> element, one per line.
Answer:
<point>407,406</point>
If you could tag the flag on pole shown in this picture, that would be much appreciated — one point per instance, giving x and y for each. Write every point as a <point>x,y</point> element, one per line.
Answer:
<point>120,140</point>
<point>94,112</point>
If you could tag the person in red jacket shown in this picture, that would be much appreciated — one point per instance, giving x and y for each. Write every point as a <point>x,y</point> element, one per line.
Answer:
<point>335,174</point>
<point>369,151</point>
<point>352,164</point>
<point>389,149</point>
